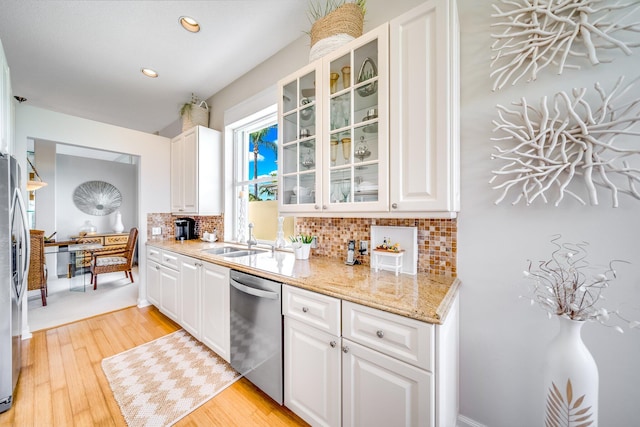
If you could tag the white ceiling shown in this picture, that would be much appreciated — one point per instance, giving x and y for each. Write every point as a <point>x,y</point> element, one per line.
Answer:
<point>83,58</point>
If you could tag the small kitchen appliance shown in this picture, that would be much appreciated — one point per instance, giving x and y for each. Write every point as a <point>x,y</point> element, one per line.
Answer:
<point>351,253</point>
<point>185,228</point>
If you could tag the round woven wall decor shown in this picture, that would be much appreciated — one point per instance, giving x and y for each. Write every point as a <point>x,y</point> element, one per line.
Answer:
<point>97,198</point>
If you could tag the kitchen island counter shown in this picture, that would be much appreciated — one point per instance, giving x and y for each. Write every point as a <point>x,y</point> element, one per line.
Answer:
<point>422,297</point>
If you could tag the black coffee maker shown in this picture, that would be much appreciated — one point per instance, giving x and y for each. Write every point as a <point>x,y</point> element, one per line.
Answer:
<point>185,228</point>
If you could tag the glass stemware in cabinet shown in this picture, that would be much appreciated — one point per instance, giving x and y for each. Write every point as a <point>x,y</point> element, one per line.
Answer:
<point>345,188</point>
<point>334,151</point>
<point>308,162</point>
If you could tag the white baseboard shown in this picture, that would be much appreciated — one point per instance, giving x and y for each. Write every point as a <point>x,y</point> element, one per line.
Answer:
<point>468,422</point>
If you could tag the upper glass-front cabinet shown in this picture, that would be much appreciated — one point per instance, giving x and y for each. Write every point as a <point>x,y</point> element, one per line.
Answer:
<point>334,140</point>
<point>356,174</point>
<point>299,145</point>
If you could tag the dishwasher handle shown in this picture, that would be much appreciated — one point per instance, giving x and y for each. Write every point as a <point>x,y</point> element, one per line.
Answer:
<point>254,291</point>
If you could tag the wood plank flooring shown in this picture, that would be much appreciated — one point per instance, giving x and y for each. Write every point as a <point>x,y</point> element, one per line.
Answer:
<point>62,382</point>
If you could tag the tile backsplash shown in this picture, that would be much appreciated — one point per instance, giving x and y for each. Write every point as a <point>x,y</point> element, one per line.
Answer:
<point>165,222</point>
<point>437,238</point>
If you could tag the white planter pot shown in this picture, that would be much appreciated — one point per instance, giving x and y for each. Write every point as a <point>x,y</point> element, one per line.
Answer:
<point>570,379</point>
<point>302,252</point>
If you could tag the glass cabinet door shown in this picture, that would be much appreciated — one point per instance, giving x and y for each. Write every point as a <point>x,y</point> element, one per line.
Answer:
<point>357,126</point>
<point>300,150</point>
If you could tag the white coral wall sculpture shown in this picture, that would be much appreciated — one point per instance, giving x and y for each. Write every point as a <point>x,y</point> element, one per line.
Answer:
<point>532,34</point>
<point>548,147</point>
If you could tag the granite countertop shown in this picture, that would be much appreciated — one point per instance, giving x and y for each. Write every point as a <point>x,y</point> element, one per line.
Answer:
<point>422,297</point>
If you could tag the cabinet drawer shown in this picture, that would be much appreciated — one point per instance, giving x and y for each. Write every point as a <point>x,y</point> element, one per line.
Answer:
<point>115,240</point>
<point>169,259</point>
<point>88,240</point>
<point>397,336</point>
<point>319,311</point>
<point>154,254</point>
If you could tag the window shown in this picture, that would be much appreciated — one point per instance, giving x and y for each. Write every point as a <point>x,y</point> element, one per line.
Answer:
<point>255,184</point>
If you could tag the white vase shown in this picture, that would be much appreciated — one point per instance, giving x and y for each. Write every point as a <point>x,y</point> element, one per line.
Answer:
<point>302,251</point>
<point>570,379</point>
<point>118,227</point>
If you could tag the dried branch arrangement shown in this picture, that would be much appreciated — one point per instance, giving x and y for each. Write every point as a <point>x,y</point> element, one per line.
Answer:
<point>547,147</point>
<point>567,285</point>
<point>538,33</point>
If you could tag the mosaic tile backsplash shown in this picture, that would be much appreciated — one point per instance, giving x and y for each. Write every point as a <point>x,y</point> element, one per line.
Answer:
<point>437,238</point>
<point>165,221</point>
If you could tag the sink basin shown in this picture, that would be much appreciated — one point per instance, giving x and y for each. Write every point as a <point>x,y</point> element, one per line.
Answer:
<point>223,250</point>
<point>242,253</point>
<point>232,251</point>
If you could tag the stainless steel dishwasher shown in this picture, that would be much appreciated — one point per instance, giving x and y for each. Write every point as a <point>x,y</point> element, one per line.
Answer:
<point>256,332</point>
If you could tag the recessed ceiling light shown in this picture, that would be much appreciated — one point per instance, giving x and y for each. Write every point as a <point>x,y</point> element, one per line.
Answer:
<point>189,24</point>
<point>149,72</point>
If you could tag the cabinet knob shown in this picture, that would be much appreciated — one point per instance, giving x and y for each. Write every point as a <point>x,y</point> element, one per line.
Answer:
<point>345,349</point>
<point>332,344</point>
<point>380,334</point>
<point>316,207</point>
<point>305,309</point>
<point>157,267</point>
<point>394,205</point>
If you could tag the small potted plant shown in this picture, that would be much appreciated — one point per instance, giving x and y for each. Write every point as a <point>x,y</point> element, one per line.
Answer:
<point>334,23</point>
<point>301,245</point>
<point>194,113</point>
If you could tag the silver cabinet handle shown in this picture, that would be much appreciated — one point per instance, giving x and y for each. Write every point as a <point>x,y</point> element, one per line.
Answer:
<point>332,344</point>
<point>345,349</point>
<point>324,207</point>
<point>316,207</point>
<point>157,267</point>
<point>305,309</point>
<point>380,334</point>
<point>394,205</point>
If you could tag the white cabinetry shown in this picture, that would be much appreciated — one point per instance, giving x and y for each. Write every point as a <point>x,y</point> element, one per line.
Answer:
<point>381,385</point>
<point>334,139</point>
<point>424,109</point>
<point>163,277</point>
<point>385,142</point>
<point>391,370</point>
<point>382,391</point>
<point>193,293</point>
<point>154,258</point>
<point>190,295</point>
<point>169,286</point>
<point>215,309</point>
<point>6,106</point>
<point>312,385</point>
<point>196,172</point>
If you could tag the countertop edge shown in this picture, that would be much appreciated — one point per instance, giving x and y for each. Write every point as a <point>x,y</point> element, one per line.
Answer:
<point>439,316</point>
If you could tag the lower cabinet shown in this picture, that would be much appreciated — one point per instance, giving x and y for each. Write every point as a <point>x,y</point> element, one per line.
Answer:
<point>312,381</point>
<point>215,331</point>
<point>190,292</point>
<point>382,391</point>
<point>368,367</point>
<point>194,294</point>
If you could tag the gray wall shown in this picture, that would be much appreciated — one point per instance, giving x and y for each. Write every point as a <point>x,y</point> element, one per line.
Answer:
<point>502,338</point>
<point>72,171</point>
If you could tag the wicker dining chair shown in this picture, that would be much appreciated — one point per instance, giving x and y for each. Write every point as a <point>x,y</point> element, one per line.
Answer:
<point>37,278</point>
<point>116,260</point>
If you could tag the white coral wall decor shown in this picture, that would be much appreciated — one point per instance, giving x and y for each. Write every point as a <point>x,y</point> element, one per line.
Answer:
<point>533,34</point>
<point>569,140</point>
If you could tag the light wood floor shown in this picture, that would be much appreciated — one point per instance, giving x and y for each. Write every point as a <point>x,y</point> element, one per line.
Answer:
<point>62,382</point>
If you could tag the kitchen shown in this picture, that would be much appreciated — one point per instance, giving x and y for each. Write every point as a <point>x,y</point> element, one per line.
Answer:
<point>498,365</point>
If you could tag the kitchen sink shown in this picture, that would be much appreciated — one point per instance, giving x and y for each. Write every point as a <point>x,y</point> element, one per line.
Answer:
<point>232,251</point>
<point>223,250</point>
<point>243,253</point>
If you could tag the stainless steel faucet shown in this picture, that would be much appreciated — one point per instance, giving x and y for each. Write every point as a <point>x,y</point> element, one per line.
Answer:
<point>251,240</point>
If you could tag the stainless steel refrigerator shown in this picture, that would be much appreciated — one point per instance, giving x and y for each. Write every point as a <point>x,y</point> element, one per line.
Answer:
<point>14,268</point>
